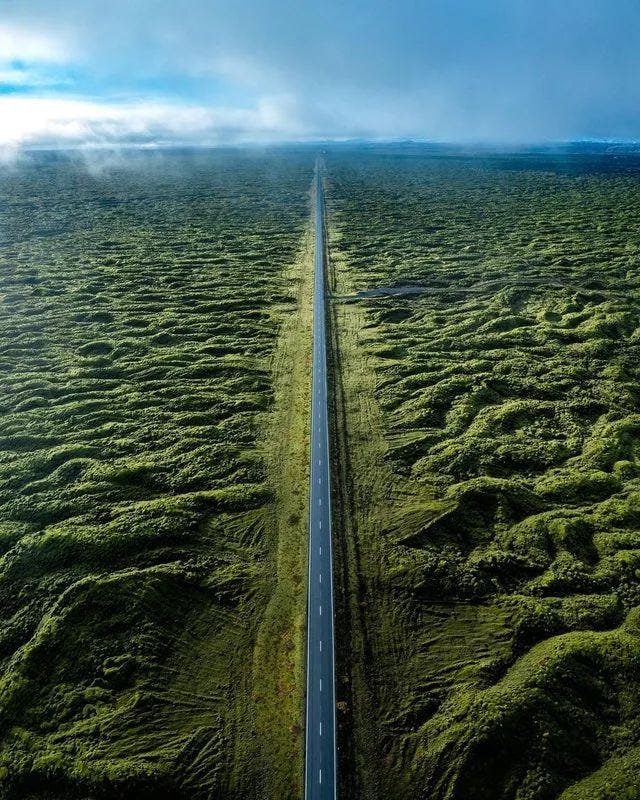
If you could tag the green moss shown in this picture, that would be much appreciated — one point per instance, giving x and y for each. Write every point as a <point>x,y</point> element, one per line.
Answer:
<point>139,319</point>
<point>506,392</point>
<point>577,487</point>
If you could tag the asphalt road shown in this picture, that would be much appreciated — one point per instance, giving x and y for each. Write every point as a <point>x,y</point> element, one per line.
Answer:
<point>320,744</point>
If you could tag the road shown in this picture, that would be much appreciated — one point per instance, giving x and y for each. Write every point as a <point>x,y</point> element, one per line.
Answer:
<point>320,741</point>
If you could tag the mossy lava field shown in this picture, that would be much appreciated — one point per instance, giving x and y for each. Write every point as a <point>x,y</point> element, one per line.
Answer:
<point>484,348</point>
<point>142,300</point>
<point>487,311</point>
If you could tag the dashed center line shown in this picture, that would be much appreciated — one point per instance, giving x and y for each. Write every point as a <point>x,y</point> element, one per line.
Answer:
<point>319,751</point>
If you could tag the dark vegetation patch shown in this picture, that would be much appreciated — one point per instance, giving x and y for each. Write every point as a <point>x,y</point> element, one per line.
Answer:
<point>510,398</point>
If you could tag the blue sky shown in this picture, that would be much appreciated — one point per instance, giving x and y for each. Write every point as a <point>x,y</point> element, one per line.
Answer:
<point>159,71</point>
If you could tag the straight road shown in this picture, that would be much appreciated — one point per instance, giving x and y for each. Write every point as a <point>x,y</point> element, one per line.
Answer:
<point>320,743</point>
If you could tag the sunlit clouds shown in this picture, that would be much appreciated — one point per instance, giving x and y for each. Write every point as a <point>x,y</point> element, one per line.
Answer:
<point>51,121</point>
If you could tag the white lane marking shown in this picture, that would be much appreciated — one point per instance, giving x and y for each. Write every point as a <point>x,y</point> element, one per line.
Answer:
<point>320,684</point>
<point>320,777</point>
<point>319,480</point>
<point>319,501</point>
<point>320,577</point>
<point>321,551</point>
<point>319,462</point>
<point>320,610</point>
<point>320,729</point>
<point>320,645</point>
<point>320,523</point>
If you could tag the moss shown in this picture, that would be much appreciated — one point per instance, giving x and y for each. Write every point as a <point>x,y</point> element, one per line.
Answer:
<point>137,494</point>
<point>577,487</point>
<point>502,400</point>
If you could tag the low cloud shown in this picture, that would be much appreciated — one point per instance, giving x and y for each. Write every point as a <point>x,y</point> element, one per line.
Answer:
<point>33,121</point>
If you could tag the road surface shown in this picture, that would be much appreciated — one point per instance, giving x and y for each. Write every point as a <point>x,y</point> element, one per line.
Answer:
<point>320,742</point>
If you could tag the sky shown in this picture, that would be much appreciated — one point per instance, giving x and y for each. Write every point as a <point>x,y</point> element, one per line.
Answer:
<point>156,72</point>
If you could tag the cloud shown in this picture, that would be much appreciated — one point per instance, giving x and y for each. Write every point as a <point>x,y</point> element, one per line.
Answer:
<point>509,70</point>
<point>22,44</point>
<point>57,121</point>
